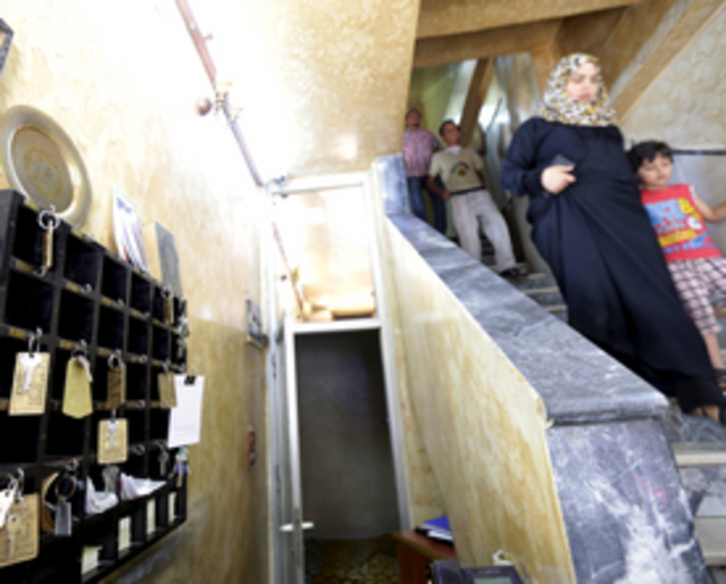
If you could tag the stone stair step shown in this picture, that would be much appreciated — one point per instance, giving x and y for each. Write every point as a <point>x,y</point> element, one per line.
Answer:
<point>548,299</point>
<point>538,291</point>
<point>556,308</point>
<point>699,454</point>
<point>711,533</point>
<point>534,281</point>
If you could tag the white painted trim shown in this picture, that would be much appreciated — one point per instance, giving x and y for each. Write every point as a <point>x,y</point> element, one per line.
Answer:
<point>321,183</point>
<point>293,437</point>
<point>337,326</point>
<point>390,367</point>
<point>275,543</point>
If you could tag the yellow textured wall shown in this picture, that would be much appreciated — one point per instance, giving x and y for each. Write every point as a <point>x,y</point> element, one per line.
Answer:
<point>122,80</point>
<point>483,428</point>
<point>341,73</point>
<point>424,495</point>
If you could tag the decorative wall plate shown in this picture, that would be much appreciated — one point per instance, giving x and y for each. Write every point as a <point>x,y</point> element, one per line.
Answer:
<point>41,162</point>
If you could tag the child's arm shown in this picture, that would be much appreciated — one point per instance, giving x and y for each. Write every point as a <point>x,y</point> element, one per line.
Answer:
<point>710,214</point>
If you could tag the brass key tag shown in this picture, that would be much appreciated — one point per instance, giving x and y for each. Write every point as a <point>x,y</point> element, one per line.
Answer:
<point>167,389</point>
<point>30,384</point>
<point>77,402</point>
<point>116,382</point>
<point>19,538</point>
<point>112,441</point>
<point>168,304</point>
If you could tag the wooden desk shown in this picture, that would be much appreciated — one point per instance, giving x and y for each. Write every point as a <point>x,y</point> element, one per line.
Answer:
<point>415,552</point>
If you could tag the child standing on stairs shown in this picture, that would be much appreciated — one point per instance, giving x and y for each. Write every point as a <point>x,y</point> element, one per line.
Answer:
<point>590,227</point>
<point>677,214</point>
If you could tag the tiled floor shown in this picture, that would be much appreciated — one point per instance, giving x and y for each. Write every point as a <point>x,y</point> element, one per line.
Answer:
<point>368,561</point>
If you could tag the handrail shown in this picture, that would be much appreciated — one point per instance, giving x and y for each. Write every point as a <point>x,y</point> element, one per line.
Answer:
<point>200,43</point>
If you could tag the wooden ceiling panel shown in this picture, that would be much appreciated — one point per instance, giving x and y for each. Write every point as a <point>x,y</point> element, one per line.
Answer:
<point>587,33</point>
<point>482,44</point>
<point>454,17</point>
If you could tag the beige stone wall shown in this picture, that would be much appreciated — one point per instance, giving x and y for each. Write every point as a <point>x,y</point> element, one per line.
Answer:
<point>122,80</point>
<point>482,426</point>
<point>684,106</point>
<point>424,495</point>
<point>339,75</point>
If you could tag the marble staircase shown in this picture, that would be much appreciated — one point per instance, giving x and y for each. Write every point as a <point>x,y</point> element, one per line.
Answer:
<point>540,287</point>
<point>607,483</point>
<point>699,445</point>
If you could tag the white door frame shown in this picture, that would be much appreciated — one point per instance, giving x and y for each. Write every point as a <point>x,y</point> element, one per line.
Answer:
<point>388,357</point>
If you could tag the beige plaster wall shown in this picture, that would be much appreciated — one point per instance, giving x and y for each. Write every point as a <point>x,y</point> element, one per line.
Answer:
<point>338,75</point>
<point>482,425</point>
<point>684,106</point>
<point>424,495</point>
<point>122,80</point>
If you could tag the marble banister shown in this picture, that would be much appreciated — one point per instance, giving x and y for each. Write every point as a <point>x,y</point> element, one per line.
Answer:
<point>541,444</point>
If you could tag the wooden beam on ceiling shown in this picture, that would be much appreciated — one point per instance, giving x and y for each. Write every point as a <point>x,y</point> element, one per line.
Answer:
<point>544,59</point>
<point>587,33</point>
<point>478,88</point>
<point>447,17</point>
<point>483,44</point>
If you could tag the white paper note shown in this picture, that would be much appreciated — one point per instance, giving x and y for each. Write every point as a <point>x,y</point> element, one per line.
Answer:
<point>186,418</point>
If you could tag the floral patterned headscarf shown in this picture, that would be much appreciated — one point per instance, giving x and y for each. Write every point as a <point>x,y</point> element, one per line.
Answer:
<point>558,106</point>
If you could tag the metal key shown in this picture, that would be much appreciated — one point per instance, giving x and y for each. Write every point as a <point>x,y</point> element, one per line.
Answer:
<point>163,462</point>
<point>180,465</point>
<point>110,478</point>
<point>65,488</point>
<point>63,518</point>
<point>7,498</point>
<point>112,429</point>
<point>49,222</point>
<point>13,526</point>
<point>29,363</point>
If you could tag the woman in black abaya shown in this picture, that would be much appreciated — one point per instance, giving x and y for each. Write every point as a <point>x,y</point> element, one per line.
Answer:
<point>588,223</point>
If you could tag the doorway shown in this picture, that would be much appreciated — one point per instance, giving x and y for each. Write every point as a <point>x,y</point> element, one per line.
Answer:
<point>348,479</point>
<point>339,486</point>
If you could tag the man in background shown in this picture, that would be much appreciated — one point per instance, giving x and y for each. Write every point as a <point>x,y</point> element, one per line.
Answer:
<point>418,147</point>
<point>461,169</point>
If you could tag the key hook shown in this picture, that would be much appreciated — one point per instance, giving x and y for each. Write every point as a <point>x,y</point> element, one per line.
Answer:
<point>19,484</point>
<point>114,359</point>
<point>80,349</point>
<point>33,344</point>
<point>47,219</point>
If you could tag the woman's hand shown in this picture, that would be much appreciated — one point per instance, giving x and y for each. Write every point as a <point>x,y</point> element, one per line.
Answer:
<point>555,179</point>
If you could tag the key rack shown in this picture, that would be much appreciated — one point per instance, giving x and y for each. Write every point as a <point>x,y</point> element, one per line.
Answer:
<point>89,294</point>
